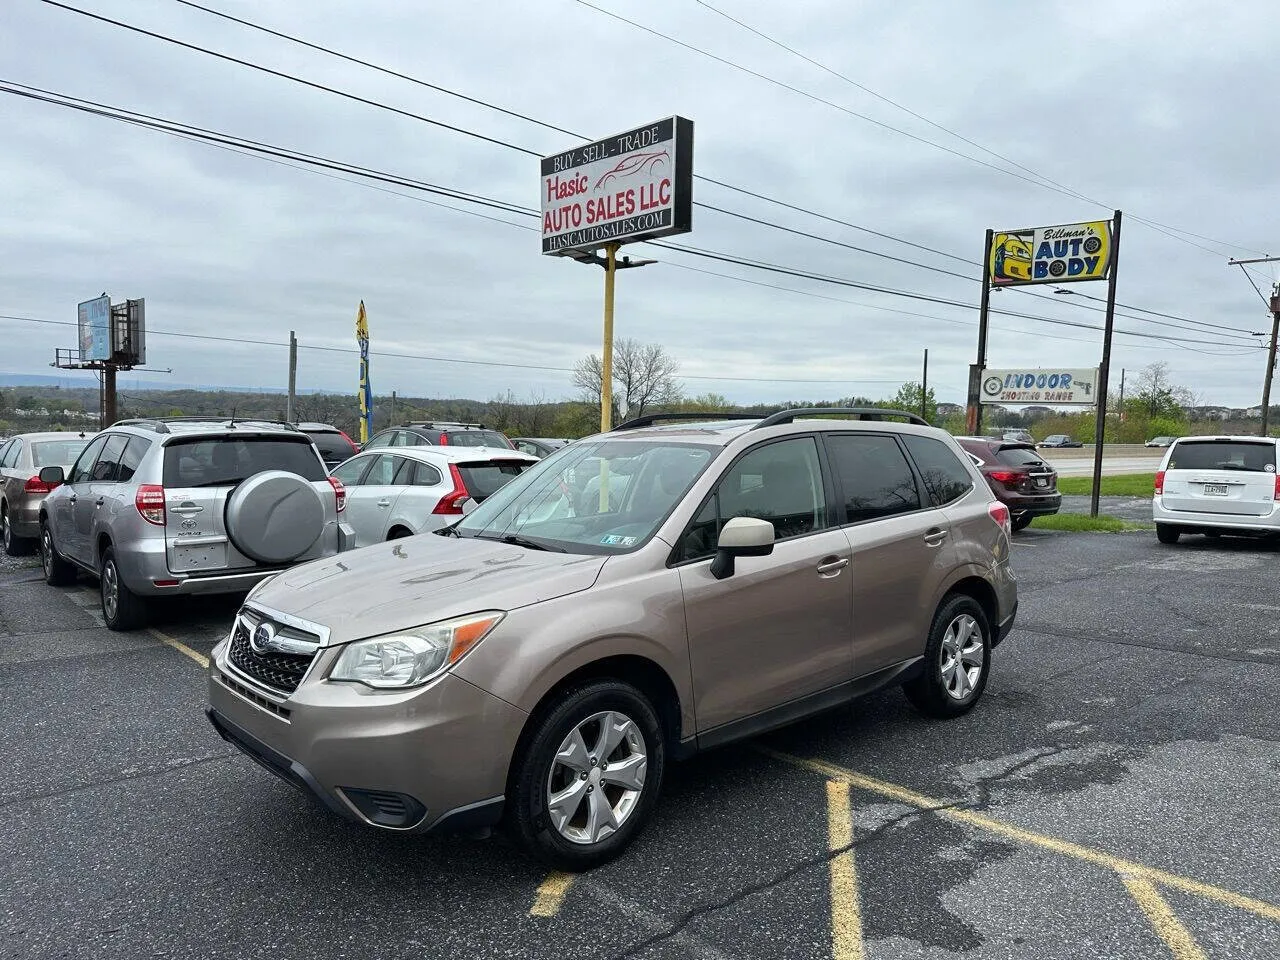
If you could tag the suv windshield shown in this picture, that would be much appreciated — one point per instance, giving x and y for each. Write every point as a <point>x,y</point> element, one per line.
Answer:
<point>478,438</point>
<point>599,497</point>
<point>226,461</point>
<point>1224,455</point>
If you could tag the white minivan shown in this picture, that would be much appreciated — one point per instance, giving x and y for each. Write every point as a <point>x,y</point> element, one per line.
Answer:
<point>1216,486</point>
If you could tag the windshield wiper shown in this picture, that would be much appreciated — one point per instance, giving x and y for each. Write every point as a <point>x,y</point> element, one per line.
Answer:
<point>518,541</point>
<point>450,531</point>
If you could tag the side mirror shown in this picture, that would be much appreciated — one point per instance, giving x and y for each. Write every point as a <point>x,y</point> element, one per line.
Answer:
<point>741,537</point>
<point>52,476</point>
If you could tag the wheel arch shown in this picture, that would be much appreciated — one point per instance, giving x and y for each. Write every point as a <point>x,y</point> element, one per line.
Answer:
<point>977,588</point>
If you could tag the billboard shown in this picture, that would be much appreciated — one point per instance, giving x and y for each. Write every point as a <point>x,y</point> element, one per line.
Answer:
<point>129,333</point>
<point>632,186</point>
<point>1049,385</point>
<point>1060,254</point>
<point>93,318</point>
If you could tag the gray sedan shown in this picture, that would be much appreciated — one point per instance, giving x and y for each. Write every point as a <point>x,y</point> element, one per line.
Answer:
<point>21,489</point>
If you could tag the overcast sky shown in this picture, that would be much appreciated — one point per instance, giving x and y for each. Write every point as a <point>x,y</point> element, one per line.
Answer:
<point>1158,108</point>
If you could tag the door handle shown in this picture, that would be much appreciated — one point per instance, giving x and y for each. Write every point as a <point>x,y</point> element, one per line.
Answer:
<point>832,566</point>
<point>72,498</point>
<point>384,503</point>
<point>100,501</point>
<point>935,537</point>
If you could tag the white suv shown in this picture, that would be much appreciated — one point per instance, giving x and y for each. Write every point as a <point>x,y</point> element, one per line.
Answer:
<point>1217,485</point>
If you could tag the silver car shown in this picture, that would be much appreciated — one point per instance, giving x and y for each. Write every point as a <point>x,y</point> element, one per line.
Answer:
<point>409,490</point>
<point>21,489</point>
<point>174,506</point>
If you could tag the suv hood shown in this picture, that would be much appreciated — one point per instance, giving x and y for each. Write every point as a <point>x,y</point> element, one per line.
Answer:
<point>418,580</point>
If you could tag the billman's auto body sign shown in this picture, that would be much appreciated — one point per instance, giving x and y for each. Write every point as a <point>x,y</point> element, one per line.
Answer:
<point>1040,385</point>
<point>1061,254</point>
<point>633,186</point>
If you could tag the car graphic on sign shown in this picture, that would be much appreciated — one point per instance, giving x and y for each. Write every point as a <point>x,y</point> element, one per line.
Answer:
<point>1010,258</point>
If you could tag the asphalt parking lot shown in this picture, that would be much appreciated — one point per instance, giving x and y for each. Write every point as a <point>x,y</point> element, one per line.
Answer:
<point>1114,796</point>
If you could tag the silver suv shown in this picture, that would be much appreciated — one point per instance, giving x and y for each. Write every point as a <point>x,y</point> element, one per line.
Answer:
<point>175,506</point>
<point>543,658</point>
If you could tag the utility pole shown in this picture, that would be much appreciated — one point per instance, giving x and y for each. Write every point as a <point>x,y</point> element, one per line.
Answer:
<point>393,410</point>
<point>1122,393</point>
<point>291,406</point>
<point>924,386</point>
<point>1273,305</point>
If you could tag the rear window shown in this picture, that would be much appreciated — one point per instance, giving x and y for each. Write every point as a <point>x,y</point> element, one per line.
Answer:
<point>332,446</point>
<point>478,438</point>
<point>57,453</point>
<point>225,461</point>
<point>1224,455</point>
<point>484,479</point>
<point>1019,457</point>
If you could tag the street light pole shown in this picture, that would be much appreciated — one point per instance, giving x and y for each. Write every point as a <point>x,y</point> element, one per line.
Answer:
<point>1274,306</point>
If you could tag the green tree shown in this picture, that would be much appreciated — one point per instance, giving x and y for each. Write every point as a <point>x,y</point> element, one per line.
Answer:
<point>910,399</point>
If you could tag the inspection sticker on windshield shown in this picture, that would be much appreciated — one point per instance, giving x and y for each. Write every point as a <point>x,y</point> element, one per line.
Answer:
<point>613,540</point>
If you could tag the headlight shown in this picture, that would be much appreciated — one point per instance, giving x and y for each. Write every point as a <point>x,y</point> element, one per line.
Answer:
<point>411,657</point>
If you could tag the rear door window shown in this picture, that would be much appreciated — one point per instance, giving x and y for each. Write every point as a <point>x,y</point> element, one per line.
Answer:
<point>349,473</point>
<point>132,458</point>
<point>9,453</point>
<point>226,461</point>
<point>874,476</point>
<point>382,473</point>
<point>484,479</point>
<point>104,471</point>
<point>1224,455</point>
<point>945,478</point>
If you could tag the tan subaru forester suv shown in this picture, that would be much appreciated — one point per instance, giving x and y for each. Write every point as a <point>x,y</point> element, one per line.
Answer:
<point>636,597</point>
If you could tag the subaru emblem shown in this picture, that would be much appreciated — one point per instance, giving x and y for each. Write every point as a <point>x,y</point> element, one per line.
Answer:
<point>262,638</point>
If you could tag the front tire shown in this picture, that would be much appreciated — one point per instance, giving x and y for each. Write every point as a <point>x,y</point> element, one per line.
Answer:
<point>122,609</point>
<point>1167,533</point>
<point>957,659</point>
<point>57,571</point>
<point>588,777</point>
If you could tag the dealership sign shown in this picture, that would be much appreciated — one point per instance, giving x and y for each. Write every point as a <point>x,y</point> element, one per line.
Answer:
<point>1061,254</point>
<point>1040,385</point>
<point>633,186</point>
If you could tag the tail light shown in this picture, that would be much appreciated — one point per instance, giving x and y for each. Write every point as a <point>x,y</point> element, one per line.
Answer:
<point>1160,482</point>
<point>444,439</point>
<point>339,493</point>
<point>150,503</point>
<point>1000,514</point>
<point>1005,476</point>
<point>451,503</point>
<point>349,440</point>
<point>36,485</point>
<point>1277,493</point>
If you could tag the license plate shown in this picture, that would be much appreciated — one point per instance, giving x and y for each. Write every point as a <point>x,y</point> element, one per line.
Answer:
<point>1041,482</point>
<point>198,556</point>
<point>1216,490</point>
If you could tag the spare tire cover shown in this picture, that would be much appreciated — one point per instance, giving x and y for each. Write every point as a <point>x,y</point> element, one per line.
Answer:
<point>274,516</point>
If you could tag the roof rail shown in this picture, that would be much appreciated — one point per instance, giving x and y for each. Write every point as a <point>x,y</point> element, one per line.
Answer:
<point>159,424</point>
<point>862,413</point>
<point>649,419</point>
<point>147,423</point>
<point>443,423</point>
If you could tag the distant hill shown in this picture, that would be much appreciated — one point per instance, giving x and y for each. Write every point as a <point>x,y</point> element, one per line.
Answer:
<point>128,381</point>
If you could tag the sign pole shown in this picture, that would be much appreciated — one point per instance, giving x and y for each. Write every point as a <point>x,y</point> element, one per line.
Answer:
<point>1271,359</point>
<point>606,360</point>
<point>974,417</point>
<point>924,386</point>
<point>1104,369</point>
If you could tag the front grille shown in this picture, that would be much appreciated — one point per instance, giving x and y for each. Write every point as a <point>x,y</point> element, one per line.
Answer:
<point>253,697</point>
<point>279,671</point>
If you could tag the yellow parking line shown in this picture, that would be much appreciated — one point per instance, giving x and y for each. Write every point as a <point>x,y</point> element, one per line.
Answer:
<point>550,895</point>
<point>846,910</point>
<point>1125,867</point>
<point>181,647</point>
<point>1182,946</point>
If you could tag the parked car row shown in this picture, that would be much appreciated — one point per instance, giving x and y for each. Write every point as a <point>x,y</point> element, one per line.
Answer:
<point>1218,486</point>
<point>21,489</point>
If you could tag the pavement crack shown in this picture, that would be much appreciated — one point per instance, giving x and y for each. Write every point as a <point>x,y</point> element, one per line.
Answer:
<point>110,781</point>
<point>791,872</point>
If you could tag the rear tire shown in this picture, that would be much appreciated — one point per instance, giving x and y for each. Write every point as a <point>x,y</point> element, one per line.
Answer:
<point>959,642</point>
<point>569,835</point>
<point>57,571</point>
<point>14,545</point>
<point>1167,533</point>
<point>122,609</point>
<point>1022,522</point>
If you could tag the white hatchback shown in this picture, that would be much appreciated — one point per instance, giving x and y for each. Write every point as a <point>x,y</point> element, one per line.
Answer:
<point>1217,485</point>
<point>401,491</point>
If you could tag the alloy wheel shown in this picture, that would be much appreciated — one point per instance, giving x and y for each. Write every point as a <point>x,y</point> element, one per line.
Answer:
<point>6,532</point>
<point>596,777</point>
<point>962,656</point>
<point>110,590</point>
<point>46,551</point>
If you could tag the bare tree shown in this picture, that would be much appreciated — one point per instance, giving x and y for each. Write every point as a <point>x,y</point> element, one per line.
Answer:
<point>1157,395</point>
<point>644,375</point>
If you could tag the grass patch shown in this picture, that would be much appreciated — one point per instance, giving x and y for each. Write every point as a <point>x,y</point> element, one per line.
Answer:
<point>1083,523</point>
<point>1123,485</point>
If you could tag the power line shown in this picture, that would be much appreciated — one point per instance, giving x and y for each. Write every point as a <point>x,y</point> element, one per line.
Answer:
<point>527,118</point>
<point>245,144</point>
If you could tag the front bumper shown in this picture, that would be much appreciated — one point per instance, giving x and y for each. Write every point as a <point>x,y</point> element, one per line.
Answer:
<point>431,759</point>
